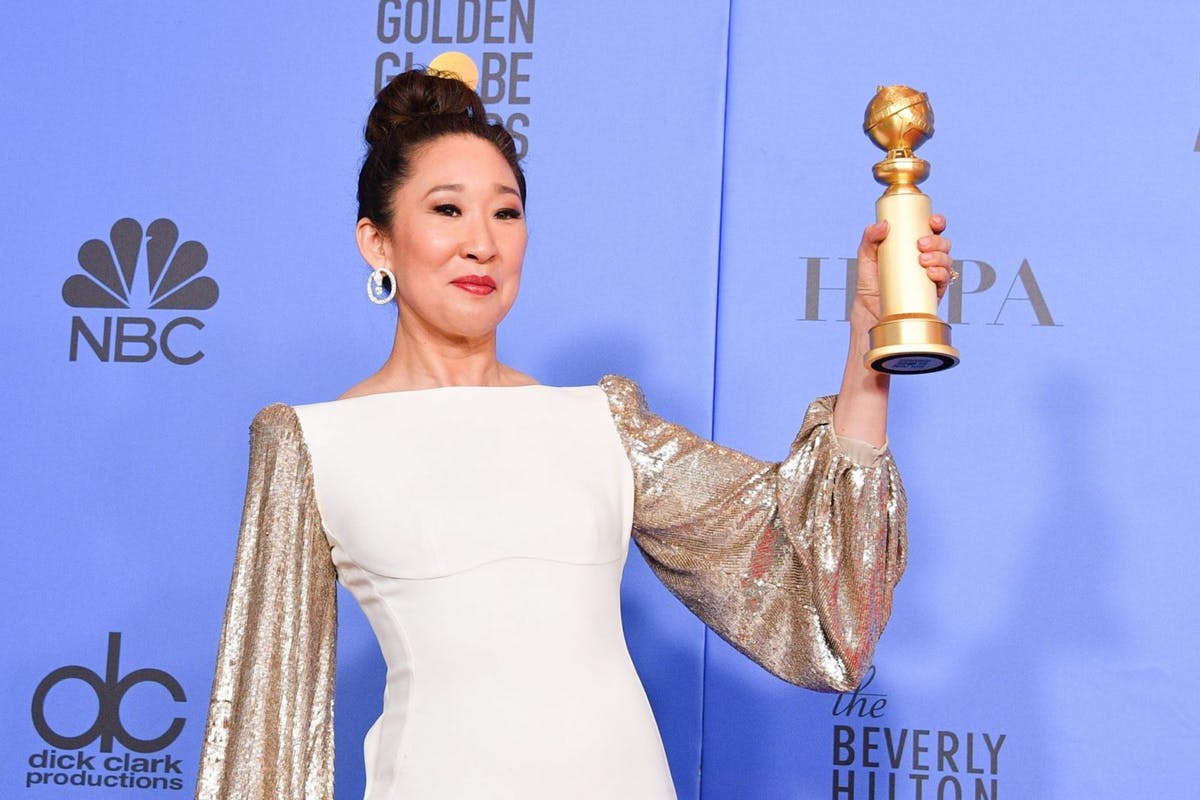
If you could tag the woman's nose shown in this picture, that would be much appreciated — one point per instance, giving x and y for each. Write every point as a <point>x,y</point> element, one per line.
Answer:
<point>479,244</point>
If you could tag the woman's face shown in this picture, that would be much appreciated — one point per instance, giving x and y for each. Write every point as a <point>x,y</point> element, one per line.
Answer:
<point>457,239</point>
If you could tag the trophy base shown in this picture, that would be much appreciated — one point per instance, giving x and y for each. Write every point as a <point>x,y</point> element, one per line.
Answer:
<point>911,344</point>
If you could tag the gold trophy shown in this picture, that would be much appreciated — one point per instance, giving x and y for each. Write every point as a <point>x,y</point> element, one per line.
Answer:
<point>910,338</point>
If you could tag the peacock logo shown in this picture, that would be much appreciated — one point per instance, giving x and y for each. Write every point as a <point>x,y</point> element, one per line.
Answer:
<point>110,280</point>
<point>171,272</point>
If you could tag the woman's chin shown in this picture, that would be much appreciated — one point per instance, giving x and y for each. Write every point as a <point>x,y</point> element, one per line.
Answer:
<point>471,330</point>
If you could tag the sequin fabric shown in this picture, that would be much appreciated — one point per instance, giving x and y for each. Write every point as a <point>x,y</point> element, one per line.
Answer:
<point>270,719</point>
<point>792,562</point>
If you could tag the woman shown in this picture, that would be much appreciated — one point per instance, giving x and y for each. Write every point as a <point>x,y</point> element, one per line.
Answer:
<point>482,519</point>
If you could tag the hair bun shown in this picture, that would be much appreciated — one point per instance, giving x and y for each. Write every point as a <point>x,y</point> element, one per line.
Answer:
<point>416,107</point>
<point>415,94</point>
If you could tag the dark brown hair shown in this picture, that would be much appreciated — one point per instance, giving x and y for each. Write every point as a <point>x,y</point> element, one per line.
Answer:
<point>413,109</point>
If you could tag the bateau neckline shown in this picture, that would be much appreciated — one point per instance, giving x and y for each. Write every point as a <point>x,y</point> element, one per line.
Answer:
<point>437,389</point>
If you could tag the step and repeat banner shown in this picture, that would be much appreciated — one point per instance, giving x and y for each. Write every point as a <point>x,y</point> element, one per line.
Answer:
<point>177,232</point>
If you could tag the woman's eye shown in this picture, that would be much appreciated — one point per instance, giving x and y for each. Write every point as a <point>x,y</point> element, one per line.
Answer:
<point>447,209</point>
<point>508,213</point>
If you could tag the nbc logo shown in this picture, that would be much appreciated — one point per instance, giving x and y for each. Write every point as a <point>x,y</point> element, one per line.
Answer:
<point>172,283</point>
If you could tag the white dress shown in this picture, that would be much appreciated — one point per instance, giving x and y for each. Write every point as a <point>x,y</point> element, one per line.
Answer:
<point>483,531</point>
<point>507,671</point>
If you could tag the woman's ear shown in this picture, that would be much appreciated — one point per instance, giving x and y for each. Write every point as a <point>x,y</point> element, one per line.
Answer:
<point>372,244</point>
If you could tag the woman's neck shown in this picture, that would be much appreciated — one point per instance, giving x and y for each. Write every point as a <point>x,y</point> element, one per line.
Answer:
<point>422,359</point>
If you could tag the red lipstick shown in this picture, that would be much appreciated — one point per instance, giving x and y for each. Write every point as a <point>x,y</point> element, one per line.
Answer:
<point>475,284</point>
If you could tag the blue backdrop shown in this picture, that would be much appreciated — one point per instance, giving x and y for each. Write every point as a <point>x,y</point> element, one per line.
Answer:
<point>698,182</point>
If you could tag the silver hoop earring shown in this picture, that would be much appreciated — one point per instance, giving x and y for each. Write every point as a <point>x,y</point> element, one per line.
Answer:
<point>381,286</point>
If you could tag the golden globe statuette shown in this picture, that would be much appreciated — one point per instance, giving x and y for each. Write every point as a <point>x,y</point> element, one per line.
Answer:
<point>909,338</point>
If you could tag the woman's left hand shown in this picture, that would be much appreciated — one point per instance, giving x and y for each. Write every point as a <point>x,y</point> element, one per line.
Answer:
<point>934,257</point>
<point>861,410</point>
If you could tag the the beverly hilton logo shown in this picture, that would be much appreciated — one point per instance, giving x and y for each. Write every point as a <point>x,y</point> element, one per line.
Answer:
<point>109,281</point>
<point>874,759</point>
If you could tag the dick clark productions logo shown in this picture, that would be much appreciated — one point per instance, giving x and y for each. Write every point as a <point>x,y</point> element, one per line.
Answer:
<point>170,281</point>
<point>80,767</point>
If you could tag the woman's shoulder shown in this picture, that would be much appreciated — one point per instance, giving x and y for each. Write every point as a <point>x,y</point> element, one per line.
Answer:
<point>276,417</point>
<point>276,427</point>
<point>622,390</point>
<point>368,386</point>
<point>514,377</point>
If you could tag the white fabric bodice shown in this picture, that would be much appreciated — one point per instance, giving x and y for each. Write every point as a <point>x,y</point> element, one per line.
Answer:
<point>483,530</point>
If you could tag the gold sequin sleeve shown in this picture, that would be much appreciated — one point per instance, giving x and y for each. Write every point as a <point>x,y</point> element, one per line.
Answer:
<point>270,719</point>
<point>793,563</point>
